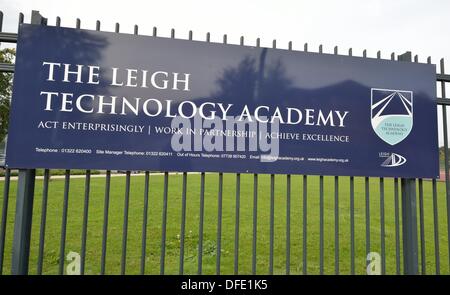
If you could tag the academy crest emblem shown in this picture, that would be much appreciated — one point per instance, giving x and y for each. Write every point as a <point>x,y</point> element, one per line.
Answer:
<point>391,114</point>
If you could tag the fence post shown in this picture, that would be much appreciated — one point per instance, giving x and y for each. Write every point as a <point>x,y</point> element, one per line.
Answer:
<point>24,205</point>
<point>22,223</point>
<point>409,215</point>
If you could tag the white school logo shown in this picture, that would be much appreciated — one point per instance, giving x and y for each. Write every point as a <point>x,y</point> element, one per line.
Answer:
<point>392,160</point>
<point>391,114</point>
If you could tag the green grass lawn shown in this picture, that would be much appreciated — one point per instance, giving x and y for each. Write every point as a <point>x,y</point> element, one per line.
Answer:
<point>114,246</point>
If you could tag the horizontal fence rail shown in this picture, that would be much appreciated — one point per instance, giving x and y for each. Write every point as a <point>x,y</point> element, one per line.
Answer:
<point>146,222</point>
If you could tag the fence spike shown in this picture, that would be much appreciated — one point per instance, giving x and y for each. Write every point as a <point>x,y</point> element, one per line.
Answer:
<point>21,18</point>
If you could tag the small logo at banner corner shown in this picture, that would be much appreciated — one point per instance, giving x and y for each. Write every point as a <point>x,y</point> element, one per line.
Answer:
<point>391,114</point>
<point>392,160</point>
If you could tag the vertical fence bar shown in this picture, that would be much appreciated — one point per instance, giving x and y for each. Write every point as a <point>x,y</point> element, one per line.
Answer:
<point>183,222</point>
<point>436,229</point>
<point>288,213</point>
<point>397,218</point>
<point>105,222</point>
<point>336,220</point>
<point>123,262</point>
<point>446,158</point>
<point>272,221</point>
<point>397,227</point>
<point>255,221</point>
<point>321,224</point>
<point>5,195</point>
<point>219,206</point>
<point>437,258</point>
<point>367,191</point>
<point>422,229</point>
<point>288,224</point>
<point>7,179</point>
<point>64,222</point>
<point>219,224</point>
<point>85,221</point>
<point>236,228</point>
<point>200,226</point>
<point>125,221</point>
<point>382,228</point>
<point>305,221</point>
<point>144,221</point>
<point>421,217</point>
<point>352,213</point>
<point>164,224</point>
<point>352,225</point>
<point>255,207</point>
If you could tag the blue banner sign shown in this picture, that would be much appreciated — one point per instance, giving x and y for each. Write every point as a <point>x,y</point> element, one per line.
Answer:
<point>95,100</point>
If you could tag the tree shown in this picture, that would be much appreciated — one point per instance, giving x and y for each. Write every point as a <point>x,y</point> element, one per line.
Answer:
<point>7,55</point>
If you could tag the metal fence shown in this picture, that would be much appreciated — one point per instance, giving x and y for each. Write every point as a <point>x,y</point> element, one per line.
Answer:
<point>224,223</point>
